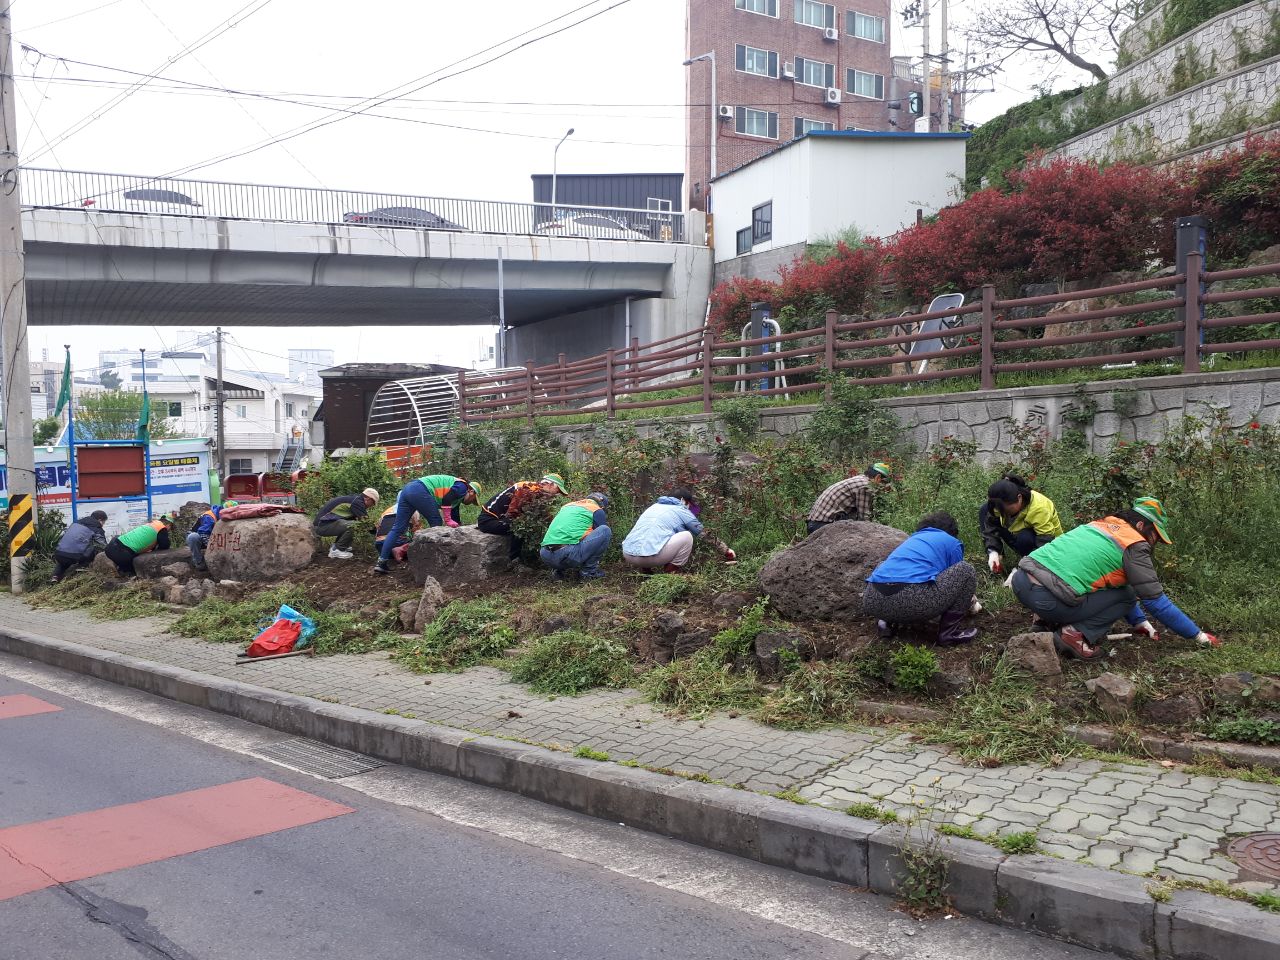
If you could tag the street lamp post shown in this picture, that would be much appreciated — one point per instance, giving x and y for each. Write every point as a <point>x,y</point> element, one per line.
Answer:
<point>710,58</point>
<point>554,153</point>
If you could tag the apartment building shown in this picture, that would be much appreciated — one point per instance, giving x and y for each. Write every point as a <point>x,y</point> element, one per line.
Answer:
<point>783,68</point>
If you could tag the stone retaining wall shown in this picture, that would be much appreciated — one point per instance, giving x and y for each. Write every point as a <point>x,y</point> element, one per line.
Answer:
<point>1138,410</point>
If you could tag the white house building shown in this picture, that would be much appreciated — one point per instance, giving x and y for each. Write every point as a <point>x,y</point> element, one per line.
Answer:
<point>818,185</point>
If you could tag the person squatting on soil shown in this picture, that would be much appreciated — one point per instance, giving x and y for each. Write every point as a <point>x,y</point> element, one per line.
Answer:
<point>437,499</point>
<point>153,535</point>
<point>496,515</point>
<point>1017,517</point>
<point>924,577</point>
<point>79,544</point>
<point>1091,576</point>
<point>339,518</point>
<point>578,537</point>
<point>198,538</point>
<point>399,549</point>
<point>852,498</point>
<point>663,535</point>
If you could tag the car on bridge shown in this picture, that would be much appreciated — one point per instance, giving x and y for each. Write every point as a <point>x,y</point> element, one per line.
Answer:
<point>402,217</point>
<point>146,200</point>
<point>595,225</point>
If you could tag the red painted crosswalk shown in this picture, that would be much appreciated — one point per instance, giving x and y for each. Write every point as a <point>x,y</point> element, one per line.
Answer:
<point>43,854</point>
<point>22,705</point>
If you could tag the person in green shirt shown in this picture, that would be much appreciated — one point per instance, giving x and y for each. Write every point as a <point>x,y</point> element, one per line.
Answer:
<point>339,518</point>
<point>124,549</point>
<point>430,497</point>
<point>578,537</point>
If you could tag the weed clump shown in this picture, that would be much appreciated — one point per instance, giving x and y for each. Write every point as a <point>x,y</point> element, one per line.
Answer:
<point>664,589</point>
<point>466,632</point>
<point>869,811</point>
<point>1017,843</point>
<point>740,639</point>
<point>697,685</point>
<point>814,694</point>
<point>913,667</point>
<point>571,662</point>
<point>586,753</point>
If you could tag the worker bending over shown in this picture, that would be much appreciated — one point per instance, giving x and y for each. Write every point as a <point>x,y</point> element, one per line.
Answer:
<point>497,514</point>
<point>437,499</point>
<point>578,537</point>
<point>852,498</point>
<point>339,518</point>
<point>1017,517</point>
<point>79,544</point>
<point>1090,577</point>
<point>198,538</point>
<point>663,535</point>
<point>124,549</point>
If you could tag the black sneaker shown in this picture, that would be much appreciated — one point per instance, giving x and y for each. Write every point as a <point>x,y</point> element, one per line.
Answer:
<point>382,567</point>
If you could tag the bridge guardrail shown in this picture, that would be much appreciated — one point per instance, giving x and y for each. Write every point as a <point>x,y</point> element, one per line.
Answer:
<point>115,192</point>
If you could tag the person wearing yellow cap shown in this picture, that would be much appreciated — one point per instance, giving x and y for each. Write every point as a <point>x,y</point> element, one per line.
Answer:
<point>852,498</point>
<point>436,498</point>
<point>497,514</point>
<point>198,538</point>
<point>1090,577</point>
<point>339,517</point>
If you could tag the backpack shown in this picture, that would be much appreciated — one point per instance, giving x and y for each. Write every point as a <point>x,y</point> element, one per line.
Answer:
<point>280,637</point>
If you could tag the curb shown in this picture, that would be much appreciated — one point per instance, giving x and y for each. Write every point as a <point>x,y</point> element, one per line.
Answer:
<point>1085,905</point>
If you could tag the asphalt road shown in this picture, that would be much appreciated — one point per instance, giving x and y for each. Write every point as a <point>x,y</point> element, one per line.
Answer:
<point>131,826</point>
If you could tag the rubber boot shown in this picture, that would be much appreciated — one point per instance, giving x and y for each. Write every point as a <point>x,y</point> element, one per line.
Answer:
<point>950,630</point>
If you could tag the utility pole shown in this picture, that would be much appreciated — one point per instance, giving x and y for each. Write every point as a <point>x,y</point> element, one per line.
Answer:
<point>946,73</point>
<point>19,443</point>
<point>928,69</point>
<point>220,414</point>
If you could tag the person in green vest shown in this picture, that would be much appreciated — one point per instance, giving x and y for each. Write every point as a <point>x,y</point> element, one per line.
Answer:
<point>437,499</point>
<point>124,549</point>
<point>577,539</point>
<point>1090,577</point>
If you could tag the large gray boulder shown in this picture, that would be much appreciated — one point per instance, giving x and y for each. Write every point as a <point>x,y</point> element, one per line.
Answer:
<point>823,577</point>
<point>457,555</point>
<point>151,565</point>
<point>262,548</point>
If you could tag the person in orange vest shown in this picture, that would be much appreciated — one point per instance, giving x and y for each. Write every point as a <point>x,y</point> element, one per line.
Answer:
<point>124,549</point>
<point>198,538</point>
<point>577,539</point>
<point>1082,582</point>
<point>496,515</point>
<point>436,498</point>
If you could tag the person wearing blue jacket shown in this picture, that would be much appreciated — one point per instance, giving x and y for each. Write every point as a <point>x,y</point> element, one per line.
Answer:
<point>663,535</point>
<point>198,538</point>
<point>925,576</point>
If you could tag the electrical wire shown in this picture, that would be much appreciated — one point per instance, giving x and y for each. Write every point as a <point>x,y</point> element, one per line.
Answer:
<point>73,16</point>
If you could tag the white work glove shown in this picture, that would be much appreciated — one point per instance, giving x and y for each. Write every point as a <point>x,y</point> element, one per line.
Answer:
<point>450,522</point>
<point>994,562</point>
<point>1147,627</point>
<point>975,606</point>
<point>1208,638</point>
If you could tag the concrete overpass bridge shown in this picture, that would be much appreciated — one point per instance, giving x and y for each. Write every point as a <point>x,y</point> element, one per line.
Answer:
<point>111,250</point>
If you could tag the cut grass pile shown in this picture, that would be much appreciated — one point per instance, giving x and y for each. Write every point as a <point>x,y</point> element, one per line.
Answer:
<point>464,634</point>
<point>85,591</point>
<point>571,662</point>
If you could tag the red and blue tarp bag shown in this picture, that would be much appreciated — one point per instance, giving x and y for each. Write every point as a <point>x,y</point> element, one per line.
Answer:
<point>280,637</point>
<point>308,625</point>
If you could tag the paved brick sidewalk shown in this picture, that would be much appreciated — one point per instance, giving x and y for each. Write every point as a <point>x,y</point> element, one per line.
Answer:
<point>1131,817</point>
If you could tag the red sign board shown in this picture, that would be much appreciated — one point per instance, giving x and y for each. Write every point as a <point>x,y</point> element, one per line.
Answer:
<point>110,472</point>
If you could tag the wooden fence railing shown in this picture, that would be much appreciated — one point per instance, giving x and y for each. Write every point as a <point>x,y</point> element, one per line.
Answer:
<point>1163,320</point>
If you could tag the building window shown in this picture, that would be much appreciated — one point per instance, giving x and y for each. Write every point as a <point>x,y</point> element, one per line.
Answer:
<point>865,84</point>
<point>175,408</point>
<point>803,126</point>
<point>242,410</point>
<point>762,223</point>
<point>744,241</point>
<point>814,14</point>
<point>861,129</point>
<point>755,123</point>
<point>763,63</point>
<point>864,26</point>
<point>288,408</point>
<point>815,73</point>
<point>240,465</point>
<point>767,7</point>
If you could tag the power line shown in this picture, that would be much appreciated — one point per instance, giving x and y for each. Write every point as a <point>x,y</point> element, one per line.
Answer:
<point>73,16</point>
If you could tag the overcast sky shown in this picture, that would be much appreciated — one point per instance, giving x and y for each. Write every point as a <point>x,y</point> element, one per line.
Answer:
<point>616,78</point>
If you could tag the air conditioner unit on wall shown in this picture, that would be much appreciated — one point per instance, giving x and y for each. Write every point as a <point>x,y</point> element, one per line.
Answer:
<point>788,72</point>
<point>726,112</point>
<point>833,95</point>
<point>830,33</point>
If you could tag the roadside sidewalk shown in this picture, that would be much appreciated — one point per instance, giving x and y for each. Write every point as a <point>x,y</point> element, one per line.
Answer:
<point>1128,817</point>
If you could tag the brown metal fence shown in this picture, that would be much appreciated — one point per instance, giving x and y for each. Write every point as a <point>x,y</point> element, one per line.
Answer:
<point>990,337</point>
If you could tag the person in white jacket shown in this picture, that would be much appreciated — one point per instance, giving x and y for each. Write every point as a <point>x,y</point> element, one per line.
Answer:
<point>663,535</point>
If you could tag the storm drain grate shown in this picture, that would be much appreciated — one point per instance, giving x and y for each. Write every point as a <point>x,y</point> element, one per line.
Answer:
<point>320,759</point>
<point>1258,853</point>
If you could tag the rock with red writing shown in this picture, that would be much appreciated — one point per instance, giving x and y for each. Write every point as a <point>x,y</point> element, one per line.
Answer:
<point>260,548</point>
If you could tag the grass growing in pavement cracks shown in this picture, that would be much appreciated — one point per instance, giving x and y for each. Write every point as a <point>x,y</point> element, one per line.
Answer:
<point>219,620</point>
<point>1004,721</point>
<point>1215,767</point>
<point>86,591</point>
<point>870,811</point>
<point>571,662</point>
<point>1163,886</point>
<point>465,633</point>
<point>587,753</point>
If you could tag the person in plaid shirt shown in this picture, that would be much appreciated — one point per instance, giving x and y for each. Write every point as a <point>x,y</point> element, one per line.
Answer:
<point>850,499</point>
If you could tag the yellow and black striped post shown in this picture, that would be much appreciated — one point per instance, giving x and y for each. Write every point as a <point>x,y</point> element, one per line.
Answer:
<point>22,528</point>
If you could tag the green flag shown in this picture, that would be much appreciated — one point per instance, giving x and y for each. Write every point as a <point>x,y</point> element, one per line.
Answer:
<point>144,419</point>
<point>64,395</point>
